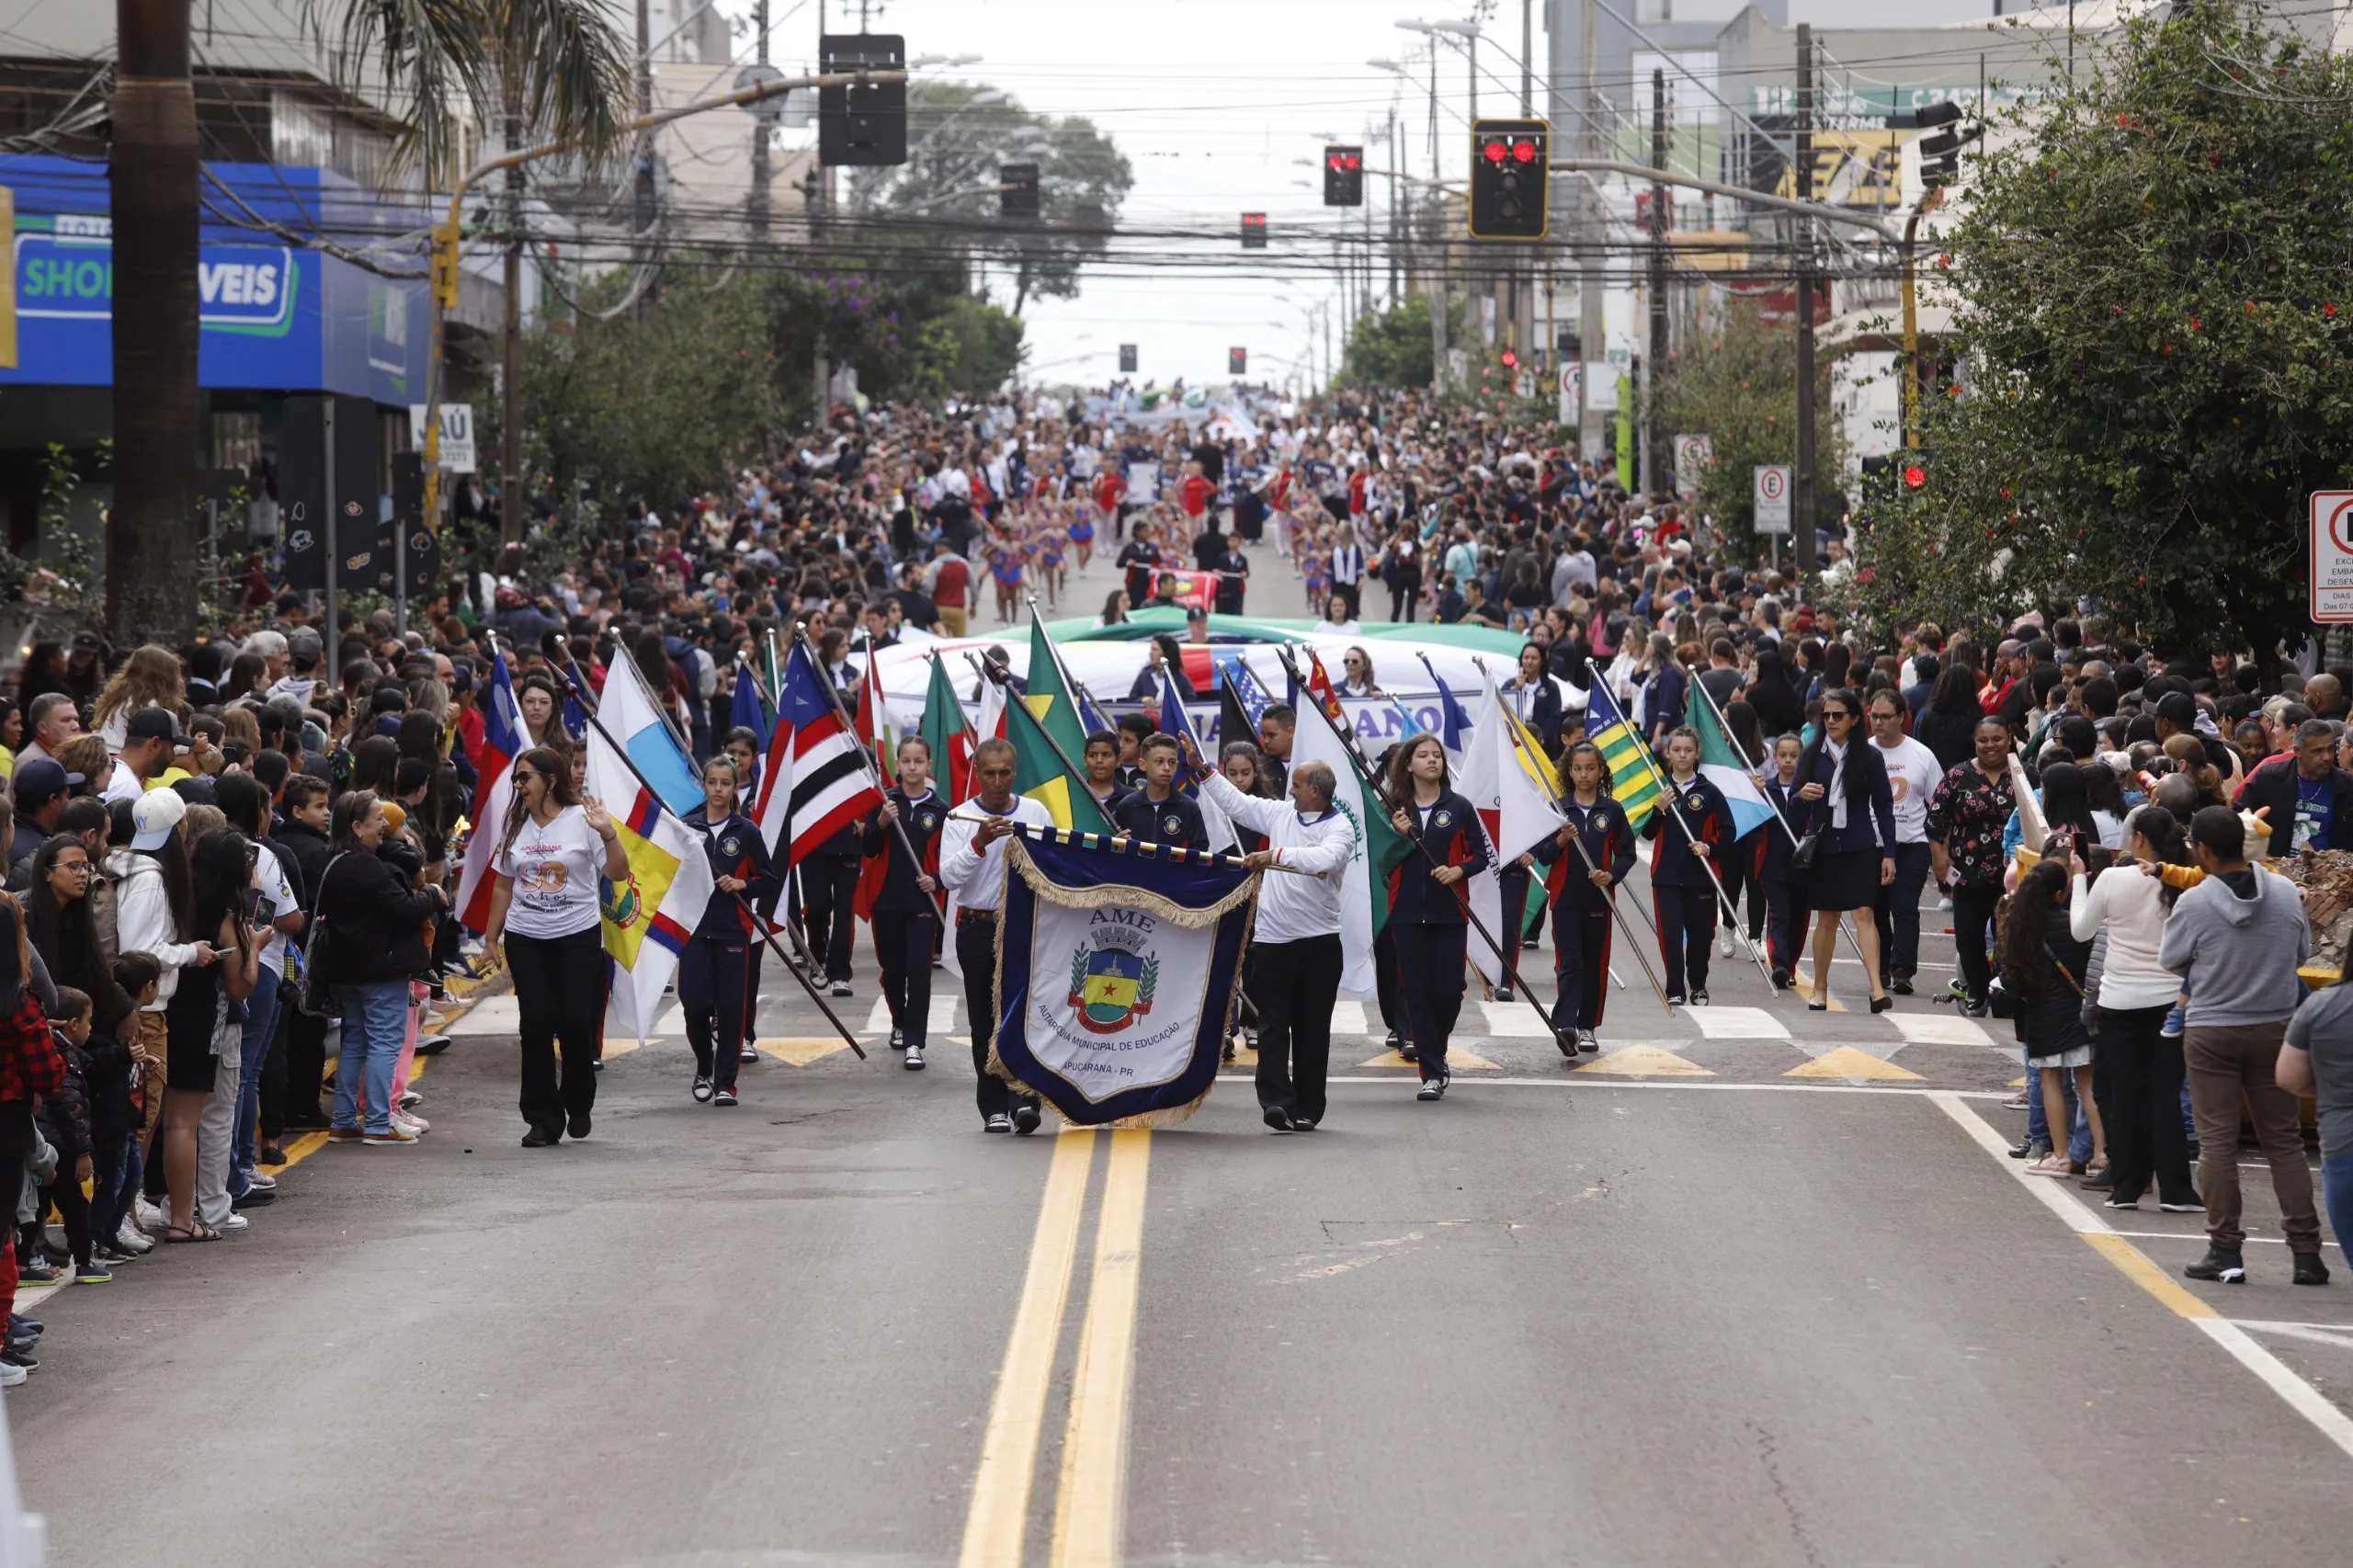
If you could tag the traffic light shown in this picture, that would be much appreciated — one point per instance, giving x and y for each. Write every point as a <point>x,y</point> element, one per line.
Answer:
<point>1940,153</point>
<point>862,127</point>
<point>1017,192</point>
<point>1254,230</point>
<point>1343,176</point>
<point>1507,168</point>
<point>1127,359</point>
<point>1237,361</point>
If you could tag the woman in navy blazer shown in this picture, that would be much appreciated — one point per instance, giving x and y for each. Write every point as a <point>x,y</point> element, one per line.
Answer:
<point>1844,781</point>
<point>1428,917</point>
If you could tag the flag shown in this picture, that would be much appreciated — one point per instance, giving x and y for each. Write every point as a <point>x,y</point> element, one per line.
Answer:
<point>747,711</point>
<point>1454,724</point>
<point>1721,761</point>
<point>1235,720</point>
<point>1175,720</point>
<point>1515,808</point>
<point>874,726</point>
<point>1090,718</point>
<point>945,733</point>
<point>503,740</point>
<point>1119,974</point>
<point>576,716</point>
<point>628,712</point>
<point>1364,884</point>
<point>1632,782</point>
<point>1319,685</point>
<point>991,726</point>
<point>1413,726</point>
<point>814,782</point>
<point>1050,693</point>
<point>1039,773</point>
<point>648,919</point>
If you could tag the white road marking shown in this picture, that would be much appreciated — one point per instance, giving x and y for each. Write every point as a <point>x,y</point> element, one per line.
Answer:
<point>1737,1023</point>
<point>1347,1016</point>
<point>1932,1028</point>
<point>1508,1020</point>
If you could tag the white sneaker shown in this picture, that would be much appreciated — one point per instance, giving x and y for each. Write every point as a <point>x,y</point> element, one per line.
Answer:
<point>410,1099</point>
<point>146,1216</point>
<point>414,1126</point>
<point>130,1238</point>
<point>11,1376</point>
<point>233,1222</point>
<point>1724,944</point>
<point>261,1182</point>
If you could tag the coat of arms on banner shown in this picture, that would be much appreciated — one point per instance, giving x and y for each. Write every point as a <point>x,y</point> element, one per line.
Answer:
<point>1116,974</point>
<point>1111,983</point>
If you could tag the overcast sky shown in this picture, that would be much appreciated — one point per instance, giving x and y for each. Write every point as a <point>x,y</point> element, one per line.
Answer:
<point>1212,100</point>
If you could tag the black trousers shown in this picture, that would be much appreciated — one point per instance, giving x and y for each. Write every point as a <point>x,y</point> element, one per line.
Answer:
<point>903,941</point>
<point>2145,1143</point>
<point>1512,885</point>
<point>1786,931</point>
<point>1687,926</point>
<point>1737,866</point>
<point>828,886</point>
<point>1429,976</point>
<point>1972,928</point>
<point>1897,913</point>
<point>976,950</point>
<point>1295,985</point>
<point>1354,594</point>
<point>558,995</point>
<point>1581,963</point>
<point>1403,598</point>
<point>306,1068</point>
<point>711,977</point>
<point>1384,984</point>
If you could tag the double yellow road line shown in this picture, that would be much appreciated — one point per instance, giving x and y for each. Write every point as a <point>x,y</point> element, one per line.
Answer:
<point>1088,1501</point>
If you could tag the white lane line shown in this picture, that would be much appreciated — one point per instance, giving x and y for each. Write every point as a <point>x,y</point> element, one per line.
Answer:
<point>1737,1023</point>
<point>2336,1336</point>
<point>1507,1020</point>
<point>2300,1396</point>
<point>491,1015</point>
<point>2200,1237</point>
<point>1612,1085</point>
<point>1931,1028</point>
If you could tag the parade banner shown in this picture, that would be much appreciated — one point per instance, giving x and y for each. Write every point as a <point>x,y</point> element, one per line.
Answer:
<point>1118,973</point>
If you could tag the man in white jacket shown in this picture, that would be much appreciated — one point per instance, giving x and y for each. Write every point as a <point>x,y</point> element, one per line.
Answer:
<point>1295,957</point>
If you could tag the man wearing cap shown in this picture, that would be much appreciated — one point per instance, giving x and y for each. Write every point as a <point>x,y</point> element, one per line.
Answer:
<point>151,740</point>
<point>85,668</point>
<point>43,787</point>
<point>300,666</point>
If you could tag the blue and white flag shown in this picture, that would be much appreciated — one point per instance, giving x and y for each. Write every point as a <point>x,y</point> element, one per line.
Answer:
<point>1175,720</point>
<point>1454,730</point>
<point>1119,971</point>
<point>629,712</point>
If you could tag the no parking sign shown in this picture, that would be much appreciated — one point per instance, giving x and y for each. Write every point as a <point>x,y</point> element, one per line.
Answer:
<point>2332,555</point>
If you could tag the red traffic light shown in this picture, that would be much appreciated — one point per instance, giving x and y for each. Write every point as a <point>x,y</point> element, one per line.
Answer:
<point>1495,152</point>
<point>1523,151</point>
<point>1511,360</point>
<point>1915,476</point>
<point>1345,161</point>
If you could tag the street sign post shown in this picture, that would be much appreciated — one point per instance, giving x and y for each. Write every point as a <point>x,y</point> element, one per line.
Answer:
<point>2332,556</point>
<point>1692,456</point>
<point>1772,499</point>
<point>1571,393</point>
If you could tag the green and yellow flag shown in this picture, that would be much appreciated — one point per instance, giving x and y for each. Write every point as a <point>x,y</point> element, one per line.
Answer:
<point>1039,773</point>
<point>1051,699</point>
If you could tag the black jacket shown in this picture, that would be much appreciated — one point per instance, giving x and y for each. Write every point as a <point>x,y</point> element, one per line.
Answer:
<point>1452,836</point>
<point>2276,787</point>
<point>736,850</point>
<point>923,821</point>
<point>1871,799</point>
<point>375,921</point>
<point>1952,736</point>
<point>1705,812</point>
<point>310,852</point>
<point>1773,854</point>
<point>1177,820</point>
<point>1609,840</point>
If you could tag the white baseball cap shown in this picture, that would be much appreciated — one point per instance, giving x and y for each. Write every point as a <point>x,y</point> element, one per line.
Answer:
<point>154,816</point>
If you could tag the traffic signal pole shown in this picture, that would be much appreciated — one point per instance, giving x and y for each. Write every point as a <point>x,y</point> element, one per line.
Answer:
<point>1802,518</point>
<point>441,296</point>
<point>1654,370</point>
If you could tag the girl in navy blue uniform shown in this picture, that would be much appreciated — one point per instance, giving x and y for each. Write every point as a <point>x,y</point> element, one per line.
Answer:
<point>1784,889</point>
<point>1581,894</point>
<point>1427,913</point>
<point>715,969</point>
<point>744,746</point>
<point>1682,892</point>
<point>906,909</point>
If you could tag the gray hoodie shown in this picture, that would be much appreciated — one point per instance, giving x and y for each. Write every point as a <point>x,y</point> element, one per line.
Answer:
<point>2236,940</point>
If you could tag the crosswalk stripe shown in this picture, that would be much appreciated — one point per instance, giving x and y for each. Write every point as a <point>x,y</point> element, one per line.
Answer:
<point>1347,1018</point>
<point>1514,1021</point>
<point>878,1020</point>
<point>939,1020</point>
<point>1930,1029</point>
<point>799,1050</point>
<point>1848,1063</point>
<point>1737,1023</point>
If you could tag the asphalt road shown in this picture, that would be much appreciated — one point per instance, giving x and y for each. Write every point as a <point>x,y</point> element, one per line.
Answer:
<point>1753,1287</point>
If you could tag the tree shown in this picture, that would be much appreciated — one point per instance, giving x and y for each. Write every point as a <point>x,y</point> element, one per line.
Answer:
<point>1391,347</point>
<point>566,68</point>
<point>1738,388</point>
<point>2148,279</point>
<point>948,190</point>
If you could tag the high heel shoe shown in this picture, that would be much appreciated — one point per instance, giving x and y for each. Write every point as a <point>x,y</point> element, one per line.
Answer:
<point>1882,1004</point>
<point>1822,1006</point>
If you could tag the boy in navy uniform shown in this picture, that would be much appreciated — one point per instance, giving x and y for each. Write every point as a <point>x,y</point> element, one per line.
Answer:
<point>1158,814</point>
<point>714,973</point>
<point>906,908</point>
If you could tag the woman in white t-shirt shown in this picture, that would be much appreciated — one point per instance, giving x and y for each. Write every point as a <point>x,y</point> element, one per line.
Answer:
<point>544,926</point>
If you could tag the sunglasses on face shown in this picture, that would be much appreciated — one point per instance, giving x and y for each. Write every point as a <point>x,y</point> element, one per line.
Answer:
<point>1840,714</point>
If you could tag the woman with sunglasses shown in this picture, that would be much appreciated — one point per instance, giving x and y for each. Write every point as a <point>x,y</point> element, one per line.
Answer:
<point>1851,807</point>
<point>1427,918</point>
<point>544,922</point>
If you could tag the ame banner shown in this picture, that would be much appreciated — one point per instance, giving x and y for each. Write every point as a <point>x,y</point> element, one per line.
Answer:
<point>1118,969</point>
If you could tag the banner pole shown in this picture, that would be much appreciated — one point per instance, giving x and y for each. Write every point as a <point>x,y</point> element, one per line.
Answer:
<point>758,924</point>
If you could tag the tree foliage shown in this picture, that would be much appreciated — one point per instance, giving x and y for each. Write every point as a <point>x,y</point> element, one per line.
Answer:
<point>1391,347</point>
<point>2149,278</point>
<point>948,189</point>
<point>1738,387</point>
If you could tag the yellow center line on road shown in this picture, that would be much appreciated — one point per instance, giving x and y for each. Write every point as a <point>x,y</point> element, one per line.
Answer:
<point>1089,1511</point>
<point>999,1519</point>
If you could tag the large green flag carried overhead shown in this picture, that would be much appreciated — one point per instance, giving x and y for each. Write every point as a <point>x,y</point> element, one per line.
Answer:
<point>1039,774</point>
<point>1051,698</point>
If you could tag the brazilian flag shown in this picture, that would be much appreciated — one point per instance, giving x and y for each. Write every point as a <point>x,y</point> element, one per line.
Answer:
<point>1051,698</point>
<point>1039,774</point>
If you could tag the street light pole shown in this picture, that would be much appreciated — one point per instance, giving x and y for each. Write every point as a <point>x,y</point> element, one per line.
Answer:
<point>762,127</point>
<point>1655,369</point>
<point>1801,185</point>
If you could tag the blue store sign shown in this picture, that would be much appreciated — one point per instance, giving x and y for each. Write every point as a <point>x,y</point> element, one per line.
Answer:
<point>275,316</point>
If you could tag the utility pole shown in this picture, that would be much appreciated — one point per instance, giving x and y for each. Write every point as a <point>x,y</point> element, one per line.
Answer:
<point>1593,324</point>
<point>762,127</point>
<point>1527,55</point>
<point>1801,187</point>
<point>1657,483</point>
<point>511,506</point>
<point>642,217</point>
<point>1396,188</point>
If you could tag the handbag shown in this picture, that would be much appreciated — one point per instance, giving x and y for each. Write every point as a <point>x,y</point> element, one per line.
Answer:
<point>1801,857</point>
<point>313,998</point>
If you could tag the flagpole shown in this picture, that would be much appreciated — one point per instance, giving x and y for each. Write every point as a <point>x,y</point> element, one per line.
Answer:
<point>1754,764</point>
<point>1070,683</point>
<point>758,924</point>
<point>1520,986</point>
<point>1706,860</point>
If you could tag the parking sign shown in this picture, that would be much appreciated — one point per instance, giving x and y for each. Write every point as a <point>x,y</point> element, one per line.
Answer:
<point>2332,555</point>
<point>1772,499</point>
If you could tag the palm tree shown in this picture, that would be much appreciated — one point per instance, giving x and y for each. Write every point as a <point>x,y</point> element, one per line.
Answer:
<point>557,66</point>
